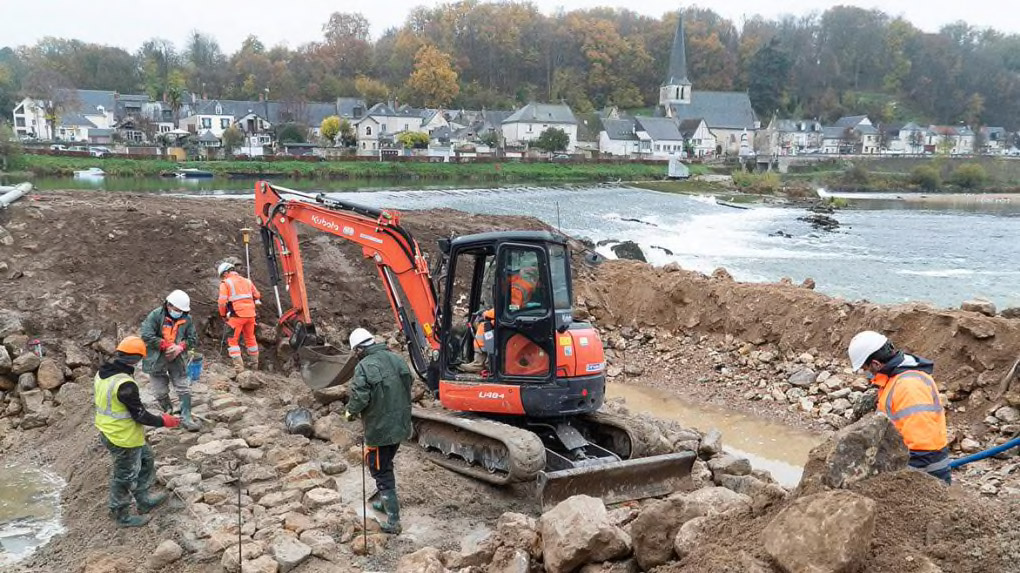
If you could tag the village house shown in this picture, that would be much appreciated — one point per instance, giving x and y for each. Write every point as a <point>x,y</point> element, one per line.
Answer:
<point>728,115</point>
<point>84,110</point>
<point>909,138</point>
<point>699,141</point>
<point>792,136</point>
<point>382,123</point>
<point>993,140</point>
<point>864,136</point>
<point>529,122</point>
<point>951,140</point>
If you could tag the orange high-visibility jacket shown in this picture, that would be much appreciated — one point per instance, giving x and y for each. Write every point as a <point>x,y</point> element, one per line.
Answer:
<point>240,294</point>
<point>520,291</point>
<point>911,400</point>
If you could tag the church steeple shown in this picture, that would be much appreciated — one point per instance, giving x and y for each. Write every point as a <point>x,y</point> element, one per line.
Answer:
<point>676,89</point>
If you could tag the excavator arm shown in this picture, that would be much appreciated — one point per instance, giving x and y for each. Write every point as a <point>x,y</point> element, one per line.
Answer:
<point>399,260</point>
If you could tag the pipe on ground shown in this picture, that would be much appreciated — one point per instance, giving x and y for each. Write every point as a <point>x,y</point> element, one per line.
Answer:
<point>9,195</point>
<point>985,454</point>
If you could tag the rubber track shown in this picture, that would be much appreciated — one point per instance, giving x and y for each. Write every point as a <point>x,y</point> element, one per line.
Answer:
<point>524,450</point>
<point>638,439</point>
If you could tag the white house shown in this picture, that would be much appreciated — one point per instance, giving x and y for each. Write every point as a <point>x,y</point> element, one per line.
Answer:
<point>618,137</point>
<point>662,136</point>
<point>697,137</point>
<point>792,136</point>
<point>86,109</point>
<point>382,123</point>
<point>528,123</point>
<point>909,138</point>
<point>866,135</point>
<point>994,140</point>
<point>208,116</point>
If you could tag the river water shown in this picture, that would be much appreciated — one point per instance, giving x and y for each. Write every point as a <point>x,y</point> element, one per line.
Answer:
<point>29,510</point>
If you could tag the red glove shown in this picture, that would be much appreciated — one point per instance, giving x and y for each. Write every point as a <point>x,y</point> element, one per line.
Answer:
<point>171,421</point>
<point>163,345</point>
<point>183,344</point>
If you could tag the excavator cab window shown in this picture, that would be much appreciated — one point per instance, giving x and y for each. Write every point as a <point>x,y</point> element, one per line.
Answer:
<point>524,312</point>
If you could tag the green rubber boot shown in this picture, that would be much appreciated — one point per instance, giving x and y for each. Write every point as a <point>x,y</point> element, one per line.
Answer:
<point>124,518</point>
<point>392,506</point>
<point>146,503</point>
<point>186,421</point>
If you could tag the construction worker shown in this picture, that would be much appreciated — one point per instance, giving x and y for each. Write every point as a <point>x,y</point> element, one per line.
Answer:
<point>238,297</point>
<point>521,285</point>
<point>120,417</point>
<point>381,394</point>
<point>909,396</point>
<point>168,333</point>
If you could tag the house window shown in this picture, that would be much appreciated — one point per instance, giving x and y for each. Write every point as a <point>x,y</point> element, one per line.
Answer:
<point>224,123</point>
<point>382,128</point>
<point>206,123</point>
<point>368,130</point>
<point>407,126</point>
<point>529,128</point>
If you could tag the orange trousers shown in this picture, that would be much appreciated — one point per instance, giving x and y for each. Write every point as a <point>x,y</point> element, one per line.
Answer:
<point>246,327</point>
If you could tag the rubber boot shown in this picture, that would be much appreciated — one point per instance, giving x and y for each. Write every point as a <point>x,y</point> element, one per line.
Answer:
<point>238,365</point>
<point>186,421</point>
<point>146,503</point>
<point>392,506</point>
<point>473,367</point>
<point>124,518</point>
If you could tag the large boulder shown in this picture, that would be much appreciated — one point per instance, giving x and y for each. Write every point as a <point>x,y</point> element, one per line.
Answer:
<point>654,528</point>
<point>859,451</point>
<point>688,537</point>
<point>729,464</point>
<point>50,375</point>
<point>10,323</point>
<point>578,531</point>
<point>289,552</point>
<point>825,532</point>
<point>718,500</point>
<point>519,531</point>
<point>5,360</point>
<point>75,356</point>
<point>426,560</point>
<point>985,307</point>
<point>629,250</point>
<point>27,362</point>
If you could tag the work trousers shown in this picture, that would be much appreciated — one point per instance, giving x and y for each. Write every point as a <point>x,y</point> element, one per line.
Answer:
<point>380,464</point>
<point>933,463</point>
<point>176,376</point>
<point>133,473</point>
<point>246,327</point>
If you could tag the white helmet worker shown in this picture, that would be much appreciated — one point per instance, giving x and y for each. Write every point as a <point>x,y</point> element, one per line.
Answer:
<point>361,337</point>
<point>863,345</point>
<point>224,267</point>
<point>180,299</point>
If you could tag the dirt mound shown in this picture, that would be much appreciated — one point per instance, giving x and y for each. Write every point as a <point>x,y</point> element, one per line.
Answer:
<point>86,260</point>
<point>971,351</point>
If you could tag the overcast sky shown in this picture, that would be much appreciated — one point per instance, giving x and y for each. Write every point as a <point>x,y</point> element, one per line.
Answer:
<point>127,23</point>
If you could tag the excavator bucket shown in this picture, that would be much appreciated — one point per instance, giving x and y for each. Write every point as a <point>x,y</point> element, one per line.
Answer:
<point>325,366</point>
<point>617,482</point>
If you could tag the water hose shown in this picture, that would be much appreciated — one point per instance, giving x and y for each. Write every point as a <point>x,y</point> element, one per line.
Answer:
<point>985,454</point>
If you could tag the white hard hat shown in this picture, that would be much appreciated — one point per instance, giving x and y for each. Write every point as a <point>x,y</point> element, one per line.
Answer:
<point>863,345</point>
<point>224,267</point>
<point>180,299</point>
<point>360,336</point>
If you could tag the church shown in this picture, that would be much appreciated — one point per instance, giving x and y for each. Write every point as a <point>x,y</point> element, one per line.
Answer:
<point>728,115</point>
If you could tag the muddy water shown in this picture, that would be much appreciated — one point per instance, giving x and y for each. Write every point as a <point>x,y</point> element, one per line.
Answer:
<point>769,445</point>
<point>29,510</point>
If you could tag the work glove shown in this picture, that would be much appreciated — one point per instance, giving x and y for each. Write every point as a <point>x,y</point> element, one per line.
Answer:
<point>349,416</point>
<point>173,351</point>
<point>171,421</point>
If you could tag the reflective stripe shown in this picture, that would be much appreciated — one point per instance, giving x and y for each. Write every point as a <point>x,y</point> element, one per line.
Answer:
<point>915,410</point>
<point>936,466</point>
<point>109,405</point>
<point>233,291</point>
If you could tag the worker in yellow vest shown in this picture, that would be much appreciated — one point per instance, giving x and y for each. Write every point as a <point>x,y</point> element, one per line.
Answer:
<point>120,417</point>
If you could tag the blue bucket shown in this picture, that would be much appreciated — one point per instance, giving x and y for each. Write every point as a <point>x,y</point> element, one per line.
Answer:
<point>195,368</point>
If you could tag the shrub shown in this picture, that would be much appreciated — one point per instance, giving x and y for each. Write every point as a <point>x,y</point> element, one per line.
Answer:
<point>857,174</point>
<point>926,177</point>
<point>969,176</point>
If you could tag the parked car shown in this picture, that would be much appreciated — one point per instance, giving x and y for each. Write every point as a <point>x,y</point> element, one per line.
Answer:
<point>99,151</point>
<point>561,157</point>
<point>58,148</point>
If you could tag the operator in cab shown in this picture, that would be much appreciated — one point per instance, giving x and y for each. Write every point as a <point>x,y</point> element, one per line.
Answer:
<point>521,284</point>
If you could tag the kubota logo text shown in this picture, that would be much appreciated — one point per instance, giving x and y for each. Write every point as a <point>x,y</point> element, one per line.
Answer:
<point>325,223</point>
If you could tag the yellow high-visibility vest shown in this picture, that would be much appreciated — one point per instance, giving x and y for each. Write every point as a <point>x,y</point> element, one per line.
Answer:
<point>112,417</point>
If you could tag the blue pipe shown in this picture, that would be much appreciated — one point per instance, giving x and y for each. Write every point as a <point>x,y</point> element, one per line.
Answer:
<point>985,454</point>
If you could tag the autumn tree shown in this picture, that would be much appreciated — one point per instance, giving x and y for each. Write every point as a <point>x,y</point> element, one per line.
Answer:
<point>348,137</point>
<point>158,59</point>
<point>433,82</point>
<point>232,139</point>
<point>54,93</point>
<point>330,128</point>
<point>413,140</point>
<point>770,79</point>
<point>370,90</point>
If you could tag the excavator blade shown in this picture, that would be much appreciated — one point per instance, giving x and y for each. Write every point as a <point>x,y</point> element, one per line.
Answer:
<point>617,482</point>
<point>325,366</point>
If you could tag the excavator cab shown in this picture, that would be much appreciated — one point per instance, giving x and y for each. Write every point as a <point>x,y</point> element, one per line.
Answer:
<point>507,295</point>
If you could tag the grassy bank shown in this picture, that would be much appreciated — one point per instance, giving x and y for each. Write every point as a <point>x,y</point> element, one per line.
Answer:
<point>42,165</point>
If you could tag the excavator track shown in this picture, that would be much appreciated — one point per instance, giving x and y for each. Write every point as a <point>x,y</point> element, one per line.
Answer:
<point>484,449</point>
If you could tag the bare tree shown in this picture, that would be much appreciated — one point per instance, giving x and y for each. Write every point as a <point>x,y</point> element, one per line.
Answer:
<point>54,93</point>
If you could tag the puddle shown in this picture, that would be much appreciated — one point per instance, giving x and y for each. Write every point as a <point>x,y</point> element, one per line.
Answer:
<point>29,511</point>
<point>769,445</point>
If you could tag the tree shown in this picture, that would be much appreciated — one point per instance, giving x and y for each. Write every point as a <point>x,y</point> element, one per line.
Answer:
<point>413,139</point>
<point>370,90</point>
<point>10,147</point>
<point>969,176</point>
<point>206,64</point>
<point>232,139</point>
<point>290,133</point>
<point>770,77</point>
<point>330,128</point>
<point>54,94</point>
<point>348,137</point>
<point>553,139</point>
<point>157,59</point>
<point>433,82</point>
<point>926,177</point>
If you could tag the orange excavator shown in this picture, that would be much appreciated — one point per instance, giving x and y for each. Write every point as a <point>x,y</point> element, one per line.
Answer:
<point>532,413</point>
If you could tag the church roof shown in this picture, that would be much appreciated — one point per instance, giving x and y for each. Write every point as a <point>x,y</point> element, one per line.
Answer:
<point>726,110</point>
<point>677,74</point>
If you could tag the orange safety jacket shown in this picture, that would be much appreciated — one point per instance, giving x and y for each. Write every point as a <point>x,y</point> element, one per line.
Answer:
<point>520,291</point>
<point>169,332</point>
<point>911,400</point>
<point>238,295</point>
